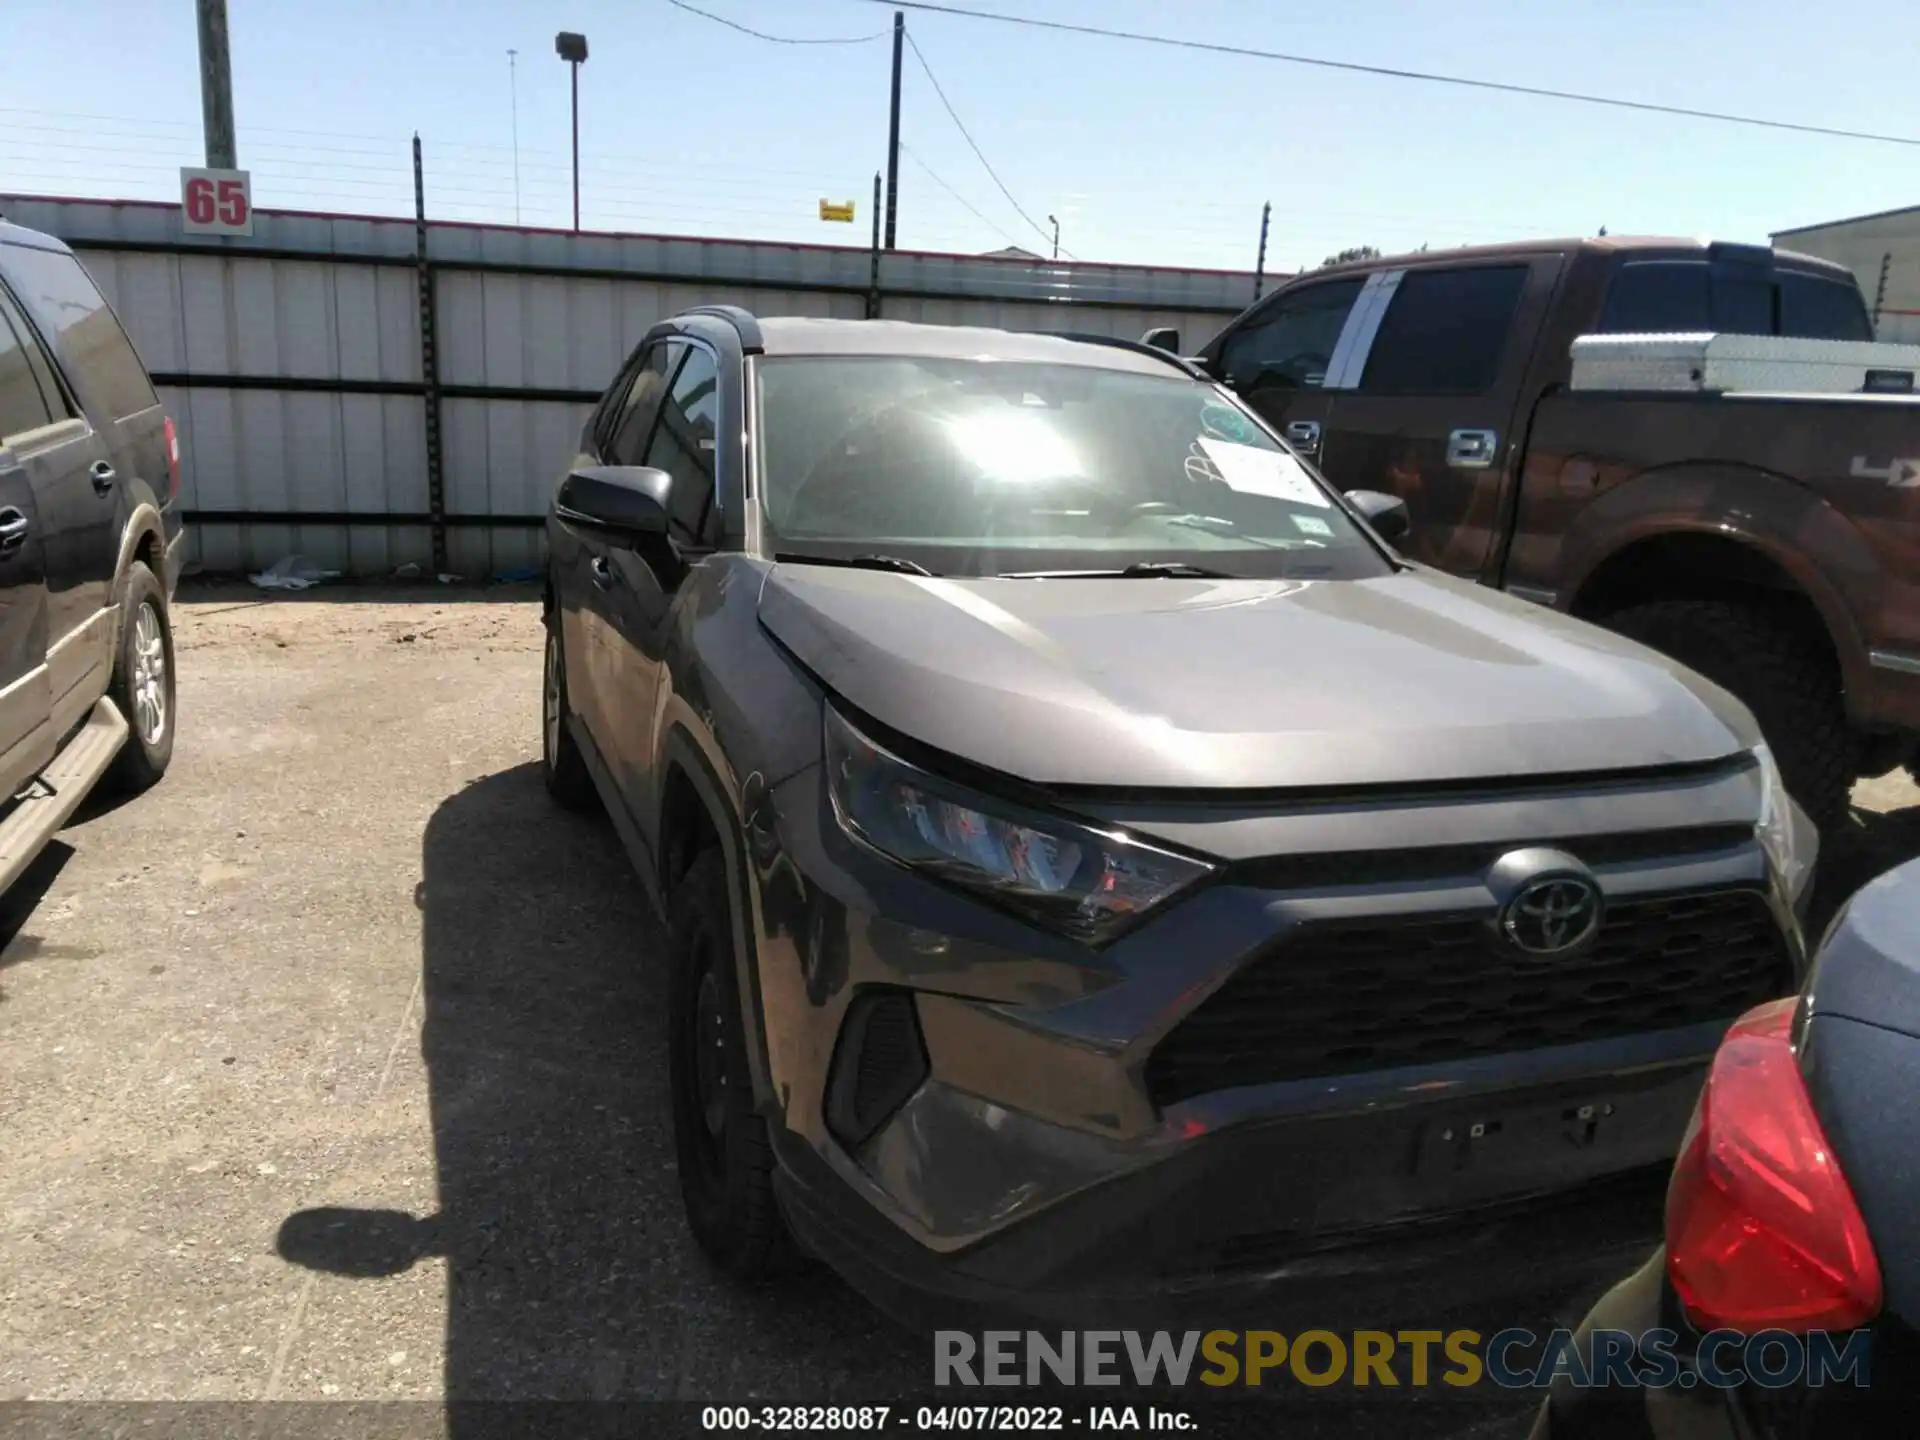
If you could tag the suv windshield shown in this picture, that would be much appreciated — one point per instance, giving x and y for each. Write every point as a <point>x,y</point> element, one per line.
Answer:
<point>985,467</point>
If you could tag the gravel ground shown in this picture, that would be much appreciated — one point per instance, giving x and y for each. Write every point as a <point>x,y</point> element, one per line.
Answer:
<point>332,1068</point>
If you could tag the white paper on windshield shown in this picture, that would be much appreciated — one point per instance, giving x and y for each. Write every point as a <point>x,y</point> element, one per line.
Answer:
<point>1263,472</point>
<point>1312,525</point>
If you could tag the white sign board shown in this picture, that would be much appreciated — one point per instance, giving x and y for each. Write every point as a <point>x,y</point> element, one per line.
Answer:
<point>216,202</point>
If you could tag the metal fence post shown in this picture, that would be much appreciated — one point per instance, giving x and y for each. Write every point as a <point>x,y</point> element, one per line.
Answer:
<point>1260,260</point>
<point>873,276</point>
<point>429,368</point>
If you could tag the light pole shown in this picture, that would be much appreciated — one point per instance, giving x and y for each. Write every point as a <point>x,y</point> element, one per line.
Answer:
<point>1056,237</point>
<point>572,48</point>
<point>513,95</point>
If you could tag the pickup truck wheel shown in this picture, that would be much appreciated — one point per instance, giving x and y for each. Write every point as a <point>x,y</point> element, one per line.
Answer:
<point>560,760</point>
<point>143,682</point>
<point>1784,675</point>
<point>725,1160</point>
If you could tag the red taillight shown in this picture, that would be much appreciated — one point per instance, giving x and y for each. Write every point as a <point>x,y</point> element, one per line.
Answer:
<point>173,460</point>
<point>1762,1228</point>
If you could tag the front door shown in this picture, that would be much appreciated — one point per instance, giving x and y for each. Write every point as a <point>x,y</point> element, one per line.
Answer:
<point>648,579</point>
<point>26,426</point>
<point>1279,359</point>
<point>594,585</point>
<point>1433,412</point>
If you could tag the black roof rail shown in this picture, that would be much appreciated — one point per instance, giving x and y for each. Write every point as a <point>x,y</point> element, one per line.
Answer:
<point>1137,347</point>
<point>751,341</point>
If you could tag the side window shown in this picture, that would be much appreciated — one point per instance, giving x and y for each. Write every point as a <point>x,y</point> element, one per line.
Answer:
<point>628,431</point>
<point>1444,332</point>
<point>1659,297</point>
<point>1290,346</point>
<point>22,405</point>
<point>70,311</point>
<point>1821,309</point>
<point>683,444</point>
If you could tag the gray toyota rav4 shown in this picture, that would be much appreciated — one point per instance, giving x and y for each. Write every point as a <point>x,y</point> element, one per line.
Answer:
<point>1100,874</point>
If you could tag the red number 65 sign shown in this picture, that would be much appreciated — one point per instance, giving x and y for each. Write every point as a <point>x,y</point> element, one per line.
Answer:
<point>216,202</point>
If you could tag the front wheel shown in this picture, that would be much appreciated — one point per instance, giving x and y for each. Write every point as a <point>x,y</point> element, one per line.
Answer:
<point>143,681</point>
<point>1783,673</point>
<point>725,1159</point>
<point>561,764</point>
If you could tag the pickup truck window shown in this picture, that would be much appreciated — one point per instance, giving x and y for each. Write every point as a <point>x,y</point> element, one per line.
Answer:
<point>22,406</point>
<point>1289,346</point>
<point>1652,297</point>
<point>1445,331</point>
<point>66,303</point>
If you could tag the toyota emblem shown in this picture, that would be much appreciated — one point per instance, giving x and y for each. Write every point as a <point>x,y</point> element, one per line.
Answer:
<point>1552,917</point>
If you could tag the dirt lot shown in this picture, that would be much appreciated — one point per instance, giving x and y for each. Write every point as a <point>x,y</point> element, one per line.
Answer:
<point>332,1068</point>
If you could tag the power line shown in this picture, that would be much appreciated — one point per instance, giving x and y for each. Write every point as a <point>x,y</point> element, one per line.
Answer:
<point>1390,72</point>
<point>776,39</point>
<point>967,136</point>
<point>955,194</point>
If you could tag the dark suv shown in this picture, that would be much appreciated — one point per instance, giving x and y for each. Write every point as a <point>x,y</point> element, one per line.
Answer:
<point>1099,870</point>
<point>89,549</point>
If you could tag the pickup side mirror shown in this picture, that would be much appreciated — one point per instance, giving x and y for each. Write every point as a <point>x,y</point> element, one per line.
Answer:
<point>624,503</point>
<point>1165,338</point>
<point>1387,514</point>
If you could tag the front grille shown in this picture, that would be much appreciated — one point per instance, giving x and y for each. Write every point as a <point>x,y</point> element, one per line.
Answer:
<point>1342,998</point>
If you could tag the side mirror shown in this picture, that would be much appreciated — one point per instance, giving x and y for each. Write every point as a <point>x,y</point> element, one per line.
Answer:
<point>621,502</point>
<point>1387,514</point>
<point>1165,338</point>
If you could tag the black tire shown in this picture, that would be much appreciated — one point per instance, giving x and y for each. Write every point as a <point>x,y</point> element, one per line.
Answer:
<point>143,685</point>
<point>1786,676</point>
<point>725,1160</point>
<point>561,763</point>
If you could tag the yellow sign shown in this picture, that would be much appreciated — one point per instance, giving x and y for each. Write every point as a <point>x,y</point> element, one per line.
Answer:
<point>831,211</point>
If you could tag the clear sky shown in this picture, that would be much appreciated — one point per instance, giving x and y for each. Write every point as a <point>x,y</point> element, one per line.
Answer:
<point>1146,154</point>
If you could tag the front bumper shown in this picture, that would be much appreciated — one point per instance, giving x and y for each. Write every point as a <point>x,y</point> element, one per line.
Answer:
<point>1036,1172</point>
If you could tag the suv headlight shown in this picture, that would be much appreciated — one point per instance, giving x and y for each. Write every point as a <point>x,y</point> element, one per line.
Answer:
<point>1784,831</point>
<point>1084,883</point>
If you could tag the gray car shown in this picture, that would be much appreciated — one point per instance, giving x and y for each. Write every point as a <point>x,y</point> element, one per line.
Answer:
<point>1100,874</point>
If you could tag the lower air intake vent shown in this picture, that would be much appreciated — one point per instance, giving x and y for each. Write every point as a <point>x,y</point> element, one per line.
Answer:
<point>878,1064</point>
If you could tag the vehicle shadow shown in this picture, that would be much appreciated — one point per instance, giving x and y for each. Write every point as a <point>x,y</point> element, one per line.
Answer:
<point>571,1275</point>
<point>19,902</point>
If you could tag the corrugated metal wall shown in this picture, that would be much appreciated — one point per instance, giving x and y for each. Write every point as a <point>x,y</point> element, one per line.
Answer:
<point>1883,251</point>
<point>302,347</point>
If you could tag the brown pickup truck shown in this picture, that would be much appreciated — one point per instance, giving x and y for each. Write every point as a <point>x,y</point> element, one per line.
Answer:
<point>1769,541</point>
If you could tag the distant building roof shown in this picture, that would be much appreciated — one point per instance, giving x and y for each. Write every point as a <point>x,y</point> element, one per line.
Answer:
<point>1010,252</point>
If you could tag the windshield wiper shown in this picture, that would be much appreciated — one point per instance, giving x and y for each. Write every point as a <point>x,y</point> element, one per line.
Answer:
<point>896,563</point>
<point>1139,570</point>
<point>1153,569</point>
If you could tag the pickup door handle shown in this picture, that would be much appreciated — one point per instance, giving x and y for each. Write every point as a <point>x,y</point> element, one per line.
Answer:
<point>13,530</point>
<point>601,572</point>
<point>102,475</point>
<point>1472,449</point>
<point>1304,436</point>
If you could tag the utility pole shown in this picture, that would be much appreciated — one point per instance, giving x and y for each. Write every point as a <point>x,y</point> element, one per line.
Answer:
<point>513,100</point>
<point>1260,261</point>
<point>1880,291</point>
<point>216,86</point>
<point>1056,237</point>
<point>893,128</point>
<point>572,48</point>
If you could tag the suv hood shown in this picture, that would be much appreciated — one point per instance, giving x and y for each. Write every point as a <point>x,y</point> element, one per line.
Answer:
<point>1231,684</point>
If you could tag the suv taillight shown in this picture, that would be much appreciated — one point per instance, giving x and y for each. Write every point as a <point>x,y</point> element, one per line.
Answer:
<point>173,460</point>
<point>1762,1228</point>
